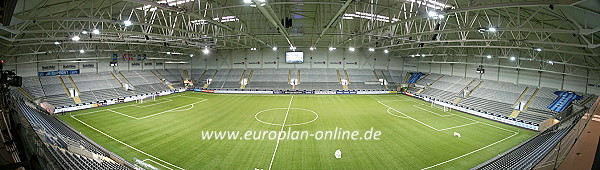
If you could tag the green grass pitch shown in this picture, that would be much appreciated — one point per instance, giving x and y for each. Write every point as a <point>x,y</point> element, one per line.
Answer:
<point>167,133</point>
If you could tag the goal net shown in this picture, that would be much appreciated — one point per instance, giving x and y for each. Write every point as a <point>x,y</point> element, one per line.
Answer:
<point>440,107</point>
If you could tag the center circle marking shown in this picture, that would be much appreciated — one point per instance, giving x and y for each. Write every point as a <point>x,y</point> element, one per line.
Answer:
<point>279,124</point>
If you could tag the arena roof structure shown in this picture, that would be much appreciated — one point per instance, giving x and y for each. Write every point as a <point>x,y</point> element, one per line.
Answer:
<point>436,31</point>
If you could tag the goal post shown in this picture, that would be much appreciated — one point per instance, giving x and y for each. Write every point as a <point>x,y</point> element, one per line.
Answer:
<point>440,107</point>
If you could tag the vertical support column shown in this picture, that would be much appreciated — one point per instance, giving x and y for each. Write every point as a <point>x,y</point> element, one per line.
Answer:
<point>498,75</point>
<point>562,84</point>
<point>518,74</point>
<point>587,80</point>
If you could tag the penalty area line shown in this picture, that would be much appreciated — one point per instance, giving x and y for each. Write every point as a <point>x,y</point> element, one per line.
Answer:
<point>117,140</point>
<point>467,154</point>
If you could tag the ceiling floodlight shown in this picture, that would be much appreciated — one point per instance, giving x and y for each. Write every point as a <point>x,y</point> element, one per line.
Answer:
<point>96,31</point>
<point>492,29</point>
<point>57,43</point>
<point>432,14</point>
<point>512,58</point>
<point>75,38</point>
<point>351,49</point>
<point>331,48</point>
<point>312,48</point>
<point>371,49</point>
<point>489,56</point>
<point>386,51</point>
<point>82,51</point>
<point>205,51</point>
<point>274,48</point>
<point>127,23</point>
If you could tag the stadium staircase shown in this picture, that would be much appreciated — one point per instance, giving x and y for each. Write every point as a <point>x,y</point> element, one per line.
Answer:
<point>531,99</point>
<point>515,112</point>
<point>462,90</point>
<point>213,77</point>
<point>201,76</point>
<point>124,78</point>
<point>115,76</point>
<point>376,76</point>
<point>249,78</point>
<point>242,78</point>
<point>27,95</point>
<point>476,87</point>
<point>345,87</point>
<point>298,76</point>
<point>186,75</point>
<point>163,79</point>
<point>436,80</point>
<point>76,99</point>
<point>64,86</point>
<point>386,80</point>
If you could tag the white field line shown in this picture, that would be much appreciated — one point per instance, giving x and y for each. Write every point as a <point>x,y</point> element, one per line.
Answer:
<point>157,163</point>
<point>459,126</point>
<point>115,139</point>
<point>282,126</point>
<point>154,103</point>
<point>139,118</point>
<point>487,146</point>
<point>171,96</point>
<point>467,154</point>
<point>388,110</point>
<point>408,116</point>
<point>121,114</point>
<point>174,109</point>
<point>277,124</point>
<point>432,112</point>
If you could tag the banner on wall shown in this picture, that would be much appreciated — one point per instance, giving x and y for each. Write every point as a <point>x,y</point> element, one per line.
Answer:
<point>238,63</point>
<point>353,63</point>
<point>258,62</point>
<point>271,62</point>
<point>147,64</point>
<point>88,66</point>
<point>135,64</point>
<point>56,73</point>
<point>69,66</point>
<point>50,67</point>
<point>319,62</point>
<point>335,62</point>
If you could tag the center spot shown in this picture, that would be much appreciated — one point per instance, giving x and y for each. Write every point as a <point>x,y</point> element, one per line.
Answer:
<point>295,116</point>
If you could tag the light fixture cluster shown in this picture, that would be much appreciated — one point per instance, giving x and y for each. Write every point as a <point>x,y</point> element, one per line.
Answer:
<point>435,15</point>
<point>167,2</point>
<point>488,29</point>
<point>370,16</point>
<point>432,4</point>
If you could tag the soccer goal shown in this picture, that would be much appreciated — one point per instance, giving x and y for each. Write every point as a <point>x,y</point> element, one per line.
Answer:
<point>440,107</point>
<point>141,99</point>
